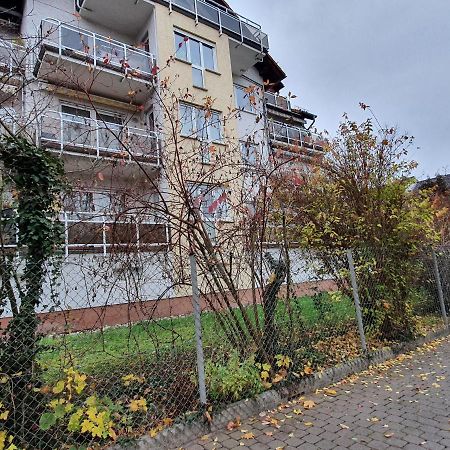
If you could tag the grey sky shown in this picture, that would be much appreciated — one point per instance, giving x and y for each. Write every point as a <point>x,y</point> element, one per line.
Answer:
<point>393,55</point>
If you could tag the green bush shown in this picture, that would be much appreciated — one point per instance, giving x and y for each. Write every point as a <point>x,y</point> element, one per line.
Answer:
<point>233,381</point>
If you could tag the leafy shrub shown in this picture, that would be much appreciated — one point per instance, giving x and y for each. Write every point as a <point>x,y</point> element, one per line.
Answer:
<point>233,381</point>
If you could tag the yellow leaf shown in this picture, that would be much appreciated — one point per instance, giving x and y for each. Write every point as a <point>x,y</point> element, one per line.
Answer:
<point>308,370</point>
<point>309,424</point>
<point>248,436</point>
<point>308,404</point>
<point>86,426</point>
<point>298,412</point>
<point>272,278</point>
<point>277,378</point>
<point>59,387</point>
<point>330,392</point>
<point>4,415</point>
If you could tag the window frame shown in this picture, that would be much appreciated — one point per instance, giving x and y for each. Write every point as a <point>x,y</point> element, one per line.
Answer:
<point>202,43</point>
<point>213,191</point>
<point>245,147</point>
<point>195,129</point>
<point>253,109</point>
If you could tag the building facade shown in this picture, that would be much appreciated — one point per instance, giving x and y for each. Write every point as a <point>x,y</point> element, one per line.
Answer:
<point>144,101</point>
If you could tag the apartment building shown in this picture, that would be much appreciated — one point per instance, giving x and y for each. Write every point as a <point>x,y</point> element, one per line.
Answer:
<point>129,93</point>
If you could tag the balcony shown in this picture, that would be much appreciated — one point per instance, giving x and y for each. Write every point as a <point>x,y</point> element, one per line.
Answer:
<point>295,138</point>
<point>98,139</point>
<point>87,232</point>
<point>225,20</point>
<point>284,103</point>
<point>12,58</point>
<point>85,60</point>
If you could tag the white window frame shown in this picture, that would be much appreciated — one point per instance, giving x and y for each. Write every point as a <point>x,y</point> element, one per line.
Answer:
<point>202,43</point>
<point>257,155</point>
<point>249,108</point>
<point>195,132</point>
<point>215,191</point>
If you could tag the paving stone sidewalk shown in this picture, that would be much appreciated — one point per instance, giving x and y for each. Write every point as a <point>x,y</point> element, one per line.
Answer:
<point>404,403</point>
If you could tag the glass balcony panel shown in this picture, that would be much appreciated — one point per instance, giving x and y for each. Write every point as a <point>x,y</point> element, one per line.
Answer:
<point>271,99</point>
<point>77,133</point>
<point>76,41</point>
<point>109,138</point>
<point>108,52</point>
<point>283,102</point>
<point>294,135</point>
<point>188,5</point>
<point>85,233</point>
<point>140,62</point>
<point>280,132</point>
<point>208,12</point>
<point>142,144</point>
<point>230,23</point>
<point>251,32</point>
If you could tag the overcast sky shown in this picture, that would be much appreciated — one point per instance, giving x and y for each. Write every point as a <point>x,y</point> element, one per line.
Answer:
<point>393,55</point>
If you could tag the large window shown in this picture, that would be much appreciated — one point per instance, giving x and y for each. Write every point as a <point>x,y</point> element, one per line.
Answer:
<point>250,153</point>
<point>86,127</point>
<point>212,203</point>
<point>201,55</point>
<point>199,123</point>
<point>245,99</point>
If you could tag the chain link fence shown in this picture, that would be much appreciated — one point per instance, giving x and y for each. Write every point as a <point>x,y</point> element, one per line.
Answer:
<point>125,343</point>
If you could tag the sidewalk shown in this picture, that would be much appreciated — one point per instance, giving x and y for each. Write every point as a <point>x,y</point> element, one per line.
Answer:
<point>404,403</point>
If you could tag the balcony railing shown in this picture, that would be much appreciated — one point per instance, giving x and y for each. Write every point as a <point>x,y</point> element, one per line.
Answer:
<point>11,59</point>
<point>282,102</point>
<point>99,51</point>
<point>97,233</point>
<point>100,233</point>
<point>227,21</point>
<point>95,137</point>
<point>10,121</point>
<point>295,136</point>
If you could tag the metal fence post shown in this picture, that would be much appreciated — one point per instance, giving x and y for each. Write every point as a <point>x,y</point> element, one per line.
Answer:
<point>351,266</point>
<point>439,287</point>
<point>198,330</point>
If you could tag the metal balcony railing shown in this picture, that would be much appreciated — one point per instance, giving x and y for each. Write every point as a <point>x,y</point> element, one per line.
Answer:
<point>12,58</point>
<point>95,137</point>
<point>94,232</point>
<point>295,136</point>
<point>226,20</point>
<point>282,102</point>
<point>97,50</point>
<point>97,232</point>
<point>11,122</point>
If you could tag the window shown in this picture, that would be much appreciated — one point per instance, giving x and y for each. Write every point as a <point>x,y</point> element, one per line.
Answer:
<point>88,202</point>
<point>77,126</point>
<point>245,99</point>
<point>211,201</point>
<point>250,153</point>
<point>204,125</point>
<point>199,54</point>
<point>110,128</point>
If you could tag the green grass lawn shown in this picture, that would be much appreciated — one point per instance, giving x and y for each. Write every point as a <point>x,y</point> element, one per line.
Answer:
<point>98,351</point>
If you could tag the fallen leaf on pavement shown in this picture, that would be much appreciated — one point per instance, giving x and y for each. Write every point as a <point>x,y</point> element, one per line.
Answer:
<point>248,436</point>
<point>309,404</point>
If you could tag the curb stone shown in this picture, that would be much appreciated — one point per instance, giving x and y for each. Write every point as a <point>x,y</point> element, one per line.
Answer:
<point>179,434</point>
